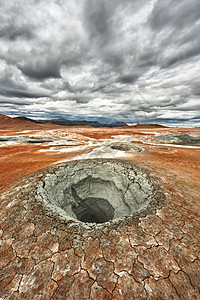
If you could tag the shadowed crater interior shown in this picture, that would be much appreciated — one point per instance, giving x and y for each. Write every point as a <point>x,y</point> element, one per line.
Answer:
<point>97,190</point>
<point>92,209</point>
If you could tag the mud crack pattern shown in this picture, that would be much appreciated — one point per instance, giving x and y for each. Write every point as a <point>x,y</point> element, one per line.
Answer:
<point>154,255</point>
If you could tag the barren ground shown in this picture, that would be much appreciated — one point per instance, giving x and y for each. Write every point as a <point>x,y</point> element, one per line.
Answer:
<point>155,255</point>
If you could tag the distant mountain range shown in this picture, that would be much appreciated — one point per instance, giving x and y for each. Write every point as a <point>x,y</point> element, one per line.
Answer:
<point>67,122</point>
<point>24,123</point>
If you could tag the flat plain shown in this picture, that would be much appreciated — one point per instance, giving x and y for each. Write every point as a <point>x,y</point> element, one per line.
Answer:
<point>153,255</point>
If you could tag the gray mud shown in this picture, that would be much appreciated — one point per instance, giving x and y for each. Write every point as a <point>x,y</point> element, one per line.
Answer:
<point>179,139</point>
<point>97,191</point>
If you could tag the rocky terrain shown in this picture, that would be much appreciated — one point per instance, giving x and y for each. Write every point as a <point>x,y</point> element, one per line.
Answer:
<point>147,248</point>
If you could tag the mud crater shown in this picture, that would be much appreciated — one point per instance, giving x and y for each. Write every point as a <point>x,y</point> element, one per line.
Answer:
<point>97,190</point>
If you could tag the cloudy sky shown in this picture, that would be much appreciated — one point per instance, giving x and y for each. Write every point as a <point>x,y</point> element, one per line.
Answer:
<point>117,60</point>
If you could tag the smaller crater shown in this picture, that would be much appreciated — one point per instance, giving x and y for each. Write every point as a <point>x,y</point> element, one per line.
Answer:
<point>127,147</point>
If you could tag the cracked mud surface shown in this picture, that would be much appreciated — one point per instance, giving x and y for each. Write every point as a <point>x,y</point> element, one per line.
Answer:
<point>153,255</point>
<point>143,257</point>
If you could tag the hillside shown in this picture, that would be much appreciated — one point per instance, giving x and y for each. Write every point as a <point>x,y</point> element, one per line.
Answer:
<point>140,126</point>
<point>8,123</point>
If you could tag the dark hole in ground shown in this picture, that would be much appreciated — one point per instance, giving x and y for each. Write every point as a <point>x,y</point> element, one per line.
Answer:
<point>92,209</point>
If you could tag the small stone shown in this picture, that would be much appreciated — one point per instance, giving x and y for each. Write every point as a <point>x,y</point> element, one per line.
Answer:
<point>54,248</point>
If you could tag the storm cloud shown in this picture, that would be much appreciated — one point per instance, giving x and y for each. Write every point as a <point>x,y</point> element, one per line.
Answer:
<point>133,61</point>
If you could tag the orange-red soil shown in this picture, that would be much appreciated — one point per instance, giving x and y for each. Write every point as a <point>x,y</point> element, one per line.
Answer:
<point>153,256</point>
<point>19,160</point>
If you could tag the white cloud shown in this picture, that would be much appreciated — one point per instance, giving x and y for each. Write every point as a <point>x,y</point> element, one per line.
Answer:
<point>122,60</point>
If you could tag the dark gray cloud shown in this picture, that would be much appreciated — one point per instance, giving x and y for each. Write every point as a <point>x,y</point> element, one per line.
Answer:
<point>9,90</point>
<point>14,24</point>
<point>174,13</point>
<point>133,61</point>
<point>11,103</point>
<point>12,33</point>
<point>20,94</point>
<point>40,70</point>
<point>191,51</point>
<point>128,78</point>
<point>79,98</point>
<point>196,88</point>
<point>98,21</point>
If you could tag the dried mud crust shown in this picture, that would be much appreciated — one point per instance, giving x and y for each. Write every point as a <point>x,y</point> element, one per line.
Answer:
<point>152,255</point>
